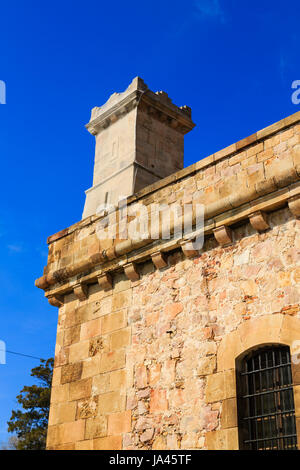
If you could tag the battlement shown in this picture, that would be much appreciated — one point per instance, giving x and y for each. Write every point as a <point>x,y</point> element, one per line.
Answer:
<point>139,140</point>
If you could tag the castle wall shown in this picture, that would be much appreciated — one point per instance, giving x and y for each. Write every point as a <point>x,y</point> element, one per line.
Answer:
<point>149,362</point>
<point>134,364</point>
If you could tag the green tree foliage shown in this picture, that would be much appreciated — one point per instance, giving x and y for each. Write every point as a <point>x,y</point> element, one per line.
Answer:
<point>11,444</point>
<point>30,425</point>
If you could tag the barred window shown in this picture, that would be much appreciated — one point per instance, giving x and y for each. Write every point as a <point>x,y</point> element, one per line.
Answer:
<point>266,411</point>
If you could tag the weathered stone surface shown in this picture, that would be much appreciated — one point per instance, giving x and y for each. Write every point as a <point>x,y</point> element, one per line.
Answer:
<point>71,372</point>
<point>72,432</point>
<point>118,380</point>
<point>84,445</point>
<point>71,335</point>
<point>131,271</point>
<point>80,389</point>
<point>159,260</point>
<point>225,439</point>
<point>112,360</point>
<point>223,235</point>
<point>108,443</point>
<point>81,291</point>
<point>62,413</point>
<point>90,329</point>
<point>96,427</point>
<point>55,300</point>
<point>87,408</point>
<point>121,300</point>
<point>59,393</point>
<point>150,362</point>
<point>114,321</point>
<point>258,220</point>
<point>67,412</point>
<point>158,401</point>
<point>120,339</point>
<point>105,281</point>
<point>296,370</point>
<point>111,402</point>
<point>119,423</point>
<point>91,367</point>
<point>79,351</point>
<point>99,345</point>
<point>294,205</point>
<point>229,413</point>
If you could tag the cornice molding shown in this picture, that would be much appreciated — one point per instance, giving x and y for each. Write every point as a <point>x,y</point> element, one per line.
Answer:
<point>114,113</point>
<point>158,105</point>
<point>221,227</point>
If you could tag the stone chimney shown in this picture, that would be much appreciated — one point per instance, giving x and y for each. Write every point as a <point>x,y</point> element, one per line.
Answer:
<point>139,140</point>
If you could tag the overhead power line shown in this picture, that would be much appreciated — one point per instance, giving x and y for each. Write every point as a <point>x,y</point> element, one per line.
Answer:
<point>21,354</point>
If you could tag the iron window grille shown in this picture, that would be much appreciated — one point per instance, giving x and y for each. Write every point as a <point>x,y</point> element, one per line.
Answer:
<point>266,410</point>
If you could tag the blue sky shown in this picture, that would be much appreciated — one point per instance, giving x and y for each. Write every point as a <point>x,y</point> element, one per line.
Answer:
<point>233,62</point>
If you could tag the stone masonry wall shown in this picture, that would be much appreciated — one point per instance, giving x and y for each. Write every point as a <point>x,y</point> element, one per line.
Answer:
<point>137,363</point>
<point>132,364</point>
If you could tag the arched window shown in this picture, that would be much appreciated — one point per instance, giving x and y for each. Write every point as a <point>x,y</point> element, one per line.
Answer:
<point>266,411</point>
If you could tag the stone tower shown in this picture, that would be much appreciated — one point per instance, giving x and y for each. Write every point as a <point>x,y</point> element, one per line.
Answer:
<point>155,340</point>
<point>139,140</point>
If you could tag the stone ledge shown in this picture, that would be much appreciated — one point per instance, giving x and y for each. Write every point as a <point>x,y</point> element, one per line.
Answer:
<point>222,213</point>
<point>266,204</point>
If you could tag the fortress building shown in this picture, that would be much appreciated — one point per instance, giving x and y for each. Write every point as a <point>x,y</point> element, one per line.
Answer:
<point>162,343</point>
